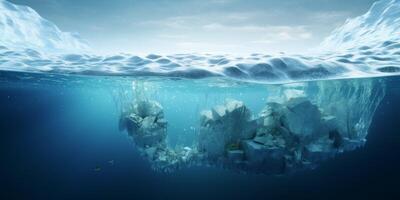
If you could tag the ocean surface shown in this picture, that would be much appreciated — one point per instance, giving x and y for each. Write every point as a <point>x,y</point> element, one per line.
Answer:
<point>60,140</point>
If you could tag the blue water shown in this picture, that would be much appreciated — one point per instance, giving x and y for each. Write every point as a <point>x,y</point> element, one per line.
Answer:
<point>60,140</point>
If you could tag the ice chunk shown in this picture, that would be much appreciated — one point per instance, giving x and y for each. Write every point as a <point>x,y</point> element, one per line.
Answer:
<point>218,112</point>
<point>352,144</point>
<point>302,118</point>
<point>235,155</point>
<point>148,108</point>
<point>267,159</point>
<point>330,122</point>
<point>146,124</point>
<point>234,105</point>
<point>150,152</point>
<point>206,117</point>
<point>223,125</point>
<point>320,150</point>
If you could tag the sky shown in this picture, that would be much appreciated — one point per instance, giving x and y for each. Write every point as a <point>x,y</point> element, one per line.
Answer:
<point>201,26</point>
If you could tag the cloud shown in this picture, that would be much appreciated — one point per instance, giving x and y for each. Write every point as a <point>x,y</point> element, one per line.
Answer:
<point>220,1</point>
<point>229,31</point>
<point>202,47</point>
<point>266,41</point>
<point>277,33</point>
<point>200,20</point>
<point>239,16</point>
<point>305,35</point>
<point>172,36</point>
<point>329,16</point>
<point>176,22</point>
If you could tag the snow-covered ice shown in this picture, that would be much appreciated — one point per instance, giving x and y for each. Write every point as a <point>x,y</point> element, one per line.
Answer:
<point>23,28</point>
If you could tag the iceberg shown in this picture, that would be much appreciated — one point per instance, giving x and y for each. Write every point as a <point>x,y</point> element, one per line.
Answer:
<point>23,28</point>
<point>379,27</point>
<point>293,131</point>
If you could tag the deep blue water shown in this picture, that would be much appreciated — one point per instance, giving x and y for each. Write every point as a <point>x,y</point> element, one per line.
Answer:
<point>54,137</point>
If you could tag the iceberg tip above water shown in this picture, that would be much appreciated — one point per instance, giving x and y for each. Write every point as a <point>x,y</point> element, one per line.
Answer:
<point>381,24</point>
<point>21,27</point>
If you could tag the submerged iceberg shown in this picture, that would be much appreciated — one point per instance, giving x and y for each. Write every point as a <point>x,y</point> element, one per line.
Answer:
<point>300,126</point>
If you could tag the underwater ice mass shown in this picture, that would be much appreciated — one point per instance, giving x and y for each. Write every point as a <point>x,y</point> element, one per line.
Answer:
<point>288,128</point>
<point>271,114</point>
